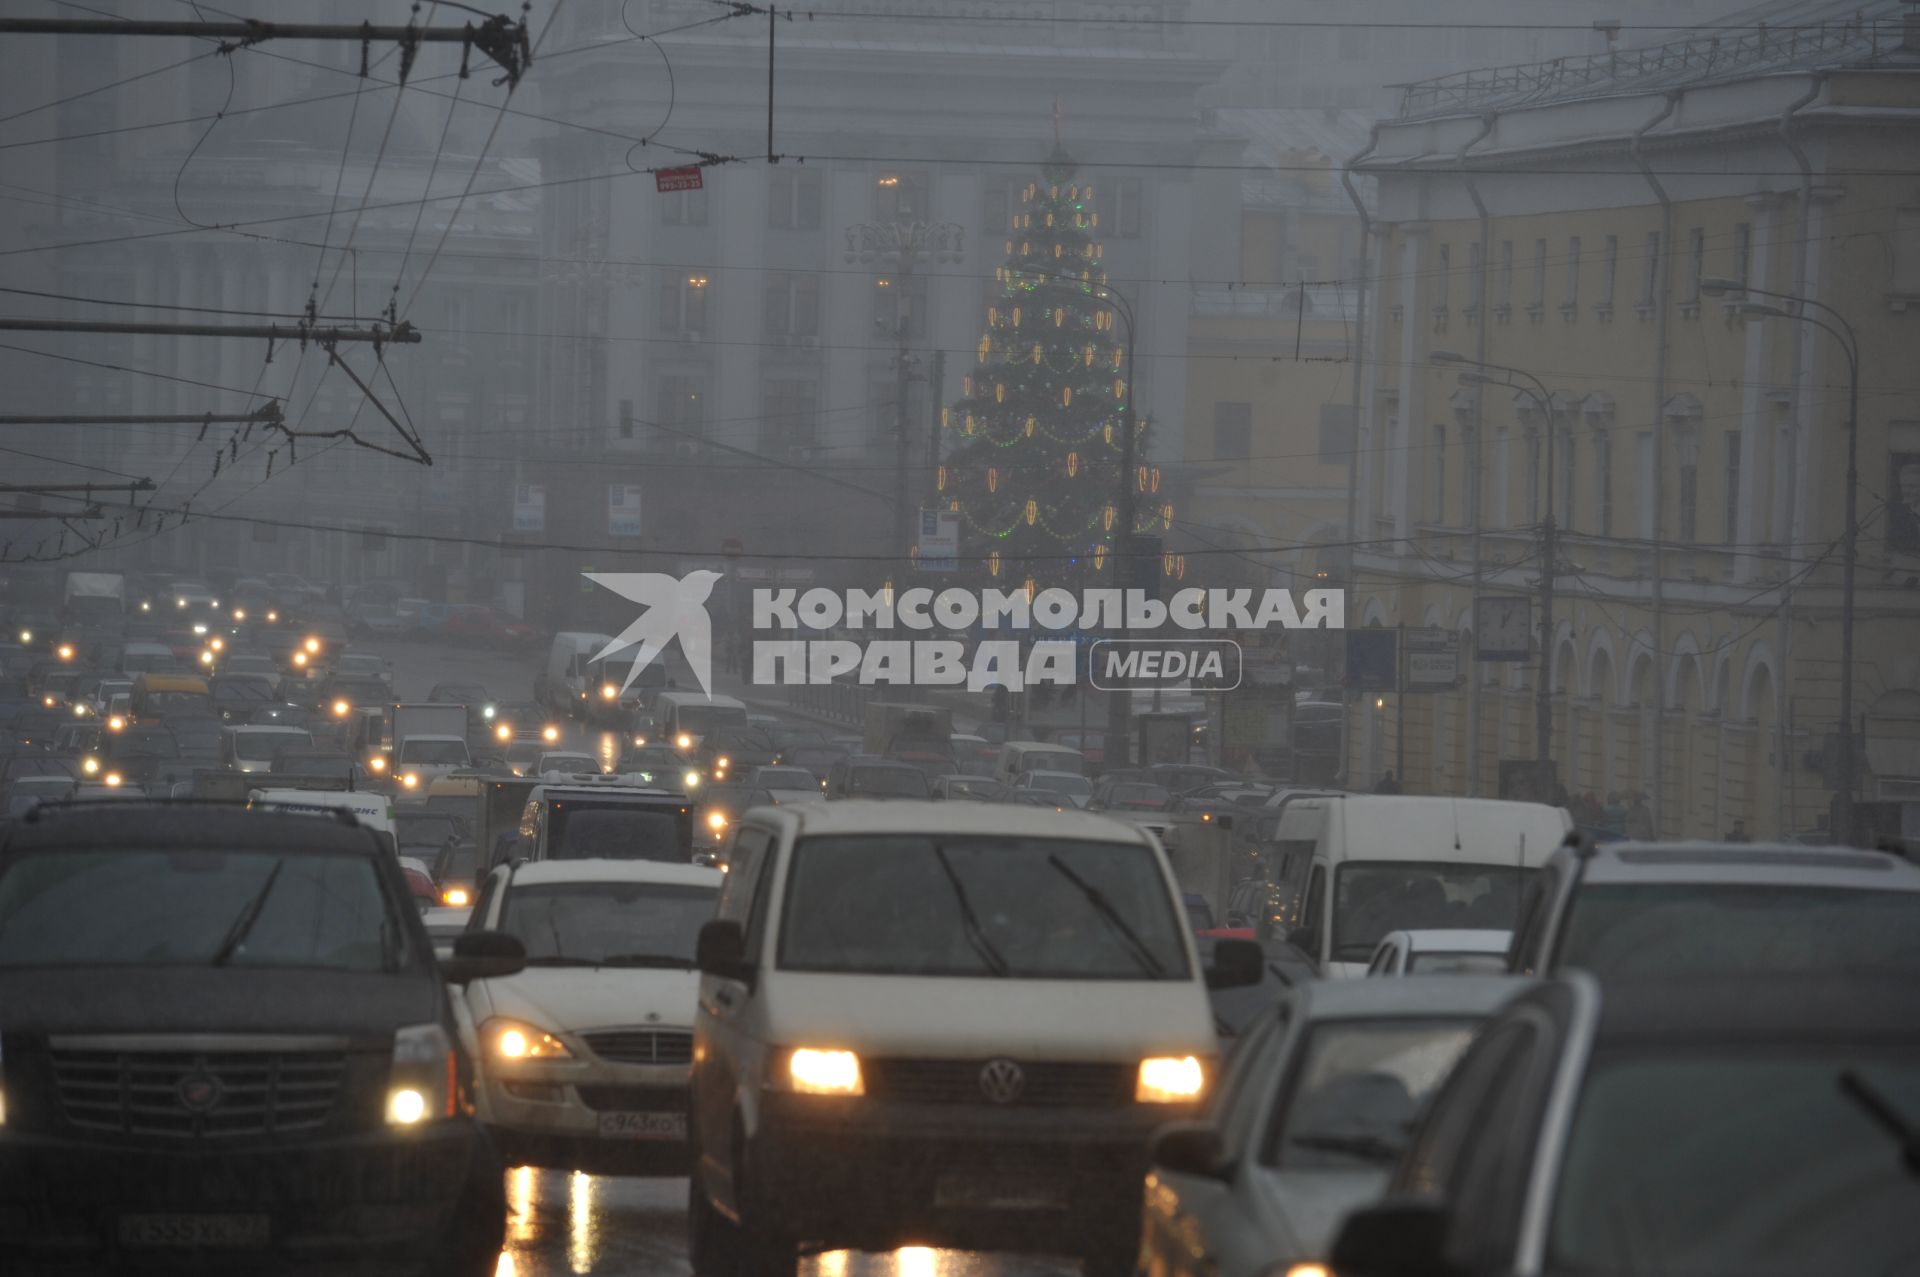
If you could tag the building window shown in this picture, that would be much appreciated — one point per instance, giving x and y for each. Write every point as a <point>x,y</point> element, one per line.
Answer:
<point>1650,270</point>
<point>1539,274</point>
<point>1439,464</point>
<point>793,305</point>
<point>1696,262</point>
<point>626,418</point>
<point>1609,265</point>
<point>1742,251</point>
<point>1569,457</point>
<point>902,196</point>
<point>900,306</point>
<point>683,208</point>
<point>1506,272</point>
<point>1643,481</point>
<point>1002,202</point>
<point>1232,431</point>
<point>1733,487</point>
<point>1533,476</point>
<point>683,301</point>
<point>1117,206</point>
<point>1689,501</point>
<point>1336,433</point>
<point>788,416</point>
<point>1443,277</point>
<point>1603,467</point>
<point>1573,271</point>
<point>1502,478</point>
<point>1476,284</point>
<point>793,200</point>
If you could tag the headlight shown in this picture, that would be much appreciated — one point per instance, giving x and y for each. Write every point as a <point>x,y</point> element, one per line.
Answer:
<point>716,821</point>
<point>420,1086</point>
<point>455,898</point>
<point>217,643</point>
<point>692,780</point>
<point>515,1040</point>
<point>1306,1270</point>
<point>377,763</point>
<point>312,645</point>
<point>206,658</point>
<point>49,701</point>
<point>550,734</point>
<point>1169,1079</point>
<point>608,691</point>
<point>504,731</point>
<point>79,711</point>
<point>273,616</point>
<point>145,606</point>
<point>113,779</point>
<point>179,602</point>
<point>91,766</point>
<point>199,627</point>
<point>639,742</point>
<point>26,636</point>
<point>723,762</point>
<point>300,658</point>
<point>487,713</point>
<point>116,723</point>
<point>66,651</point>
<point>684,741</point>
<point>410,780</point>
<point>239,614</point>
<point>340,709</point>
<point>817,1072</point>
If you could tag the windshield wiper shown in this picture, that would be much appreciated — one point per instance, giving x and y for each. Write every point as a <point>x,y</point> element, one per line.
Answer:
<point>976,934</point>
<point>1371,1148</point>
<point>1882,1110</point>
<point>561,960</point>
<point>646,960</point>
<point>1095,897</point>
<point>243,923</point>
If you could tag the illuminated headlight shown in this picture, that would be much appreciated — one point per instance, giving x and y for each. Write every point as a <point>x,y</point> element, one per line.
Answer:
<point>113,780</point>
<point>608,691</point>
<point>817,1072</point>
<point>683,741</point>
<point>116,723</point>
<point>91,766</point>
<point>312,645</point>
<point>410,781</point>
<point>488,712</point>
<point>455,898</point>
<point>340,709</point>
<point>692,780</point>
<point>1306,1270</point>
<point>515,1040</point>
<point>421,1084</point>
<point>716,821</point>
<point>49,701</point>
<point>66,651</point>
<point>377,763</point>
<point>199,627</point>
<point>206,658</point>
<point>239,614</point>
<point>1169,1079</point>
<point>723,762</point>
<point>79,711</point>
<point>639,742</point>
<point>550,734</point>
<point>217,643</point>
<point>504,731</point>
<point>179,602</point>
<point>145,606</point>
<point>273,616</point>
<point>300,658</point>
<point>26,636</point>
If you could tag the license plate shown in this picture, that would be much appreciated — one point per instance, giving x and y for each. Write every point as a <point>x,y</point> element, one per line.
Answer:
<point>643,1126</point>
<point>988,1190</point>
<point>210,1232</point>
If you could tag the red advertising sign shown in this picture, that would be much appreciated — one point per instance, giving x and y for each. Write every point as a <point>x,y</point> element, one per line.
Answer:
<point>677,179</point>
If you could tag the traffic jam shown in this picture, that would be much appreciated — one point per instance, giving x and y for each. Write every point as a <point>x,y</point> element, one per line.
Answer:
<point>333,937</point>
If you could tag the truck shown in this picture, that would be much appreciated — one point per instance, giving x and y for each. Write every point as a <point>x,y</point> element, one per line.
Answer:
<point>95,598</point>
<point>429,741</point>
<point>562,684</point>
<point>894,728</point>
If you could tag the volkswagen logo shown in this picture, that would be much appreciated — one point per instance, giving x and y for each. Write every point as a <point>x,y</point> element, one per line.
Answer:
<point>1002,1081</point>
<point>198,1092</point>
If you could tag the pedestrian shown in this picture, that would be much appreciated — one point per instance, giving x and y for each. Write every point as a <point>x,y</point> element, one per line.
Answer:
<point>1387,785</point>
<point>1739,832</point>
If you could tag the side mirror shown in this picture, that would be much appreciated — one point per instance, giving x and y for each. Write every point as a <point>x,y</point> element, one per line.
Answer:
<point>484,955</point>
<point>1236,964</point>
<point>722,950</point>
<point>1189,1148</point>
<point>1398,1237</point>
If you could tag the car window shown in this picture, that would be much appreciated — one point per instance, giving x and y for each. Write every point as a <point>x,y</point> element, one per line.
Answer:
<point>609,923</point>
<point>1352,1098</point>
<point>1432,1165</point>
<point>1649,928</point>
<point>624,832</point>
<point>1374,897</point>
<point>743,863</point>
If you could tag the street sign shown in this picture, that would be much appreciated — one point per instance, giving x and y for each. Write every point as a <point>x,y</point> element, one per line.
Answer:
<point>1430,638</point>
<point>939,547</point>
<point>1432,671</point>
<point>677,179</point>
<point>1502,627</point>
<point>529,507</point>
<point>1373,660</point>
<point>623,509</point>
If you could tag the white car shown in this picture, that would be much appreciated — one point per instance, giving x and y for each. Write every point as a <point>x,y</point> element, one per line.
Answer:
<point>566,762</point>
<point>583,1057</point>
<point>1441,953</point>
<point>1074,788</point>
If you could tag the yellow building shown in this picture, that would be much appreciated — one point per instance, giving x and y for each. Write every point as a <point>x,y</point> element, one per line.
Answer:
<point>1270,379</point>
<point>1571,223</point>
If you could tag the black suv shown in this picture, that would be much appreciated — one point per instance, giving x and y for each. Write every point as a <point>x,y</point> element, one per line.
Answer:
<point>225,1047</point>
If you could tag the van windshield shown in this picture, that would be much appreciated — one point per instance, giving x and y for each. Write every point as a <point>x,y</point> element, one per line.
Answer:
<point>704,720</point>
<point>430,753</point>
<point>577,831</point>
<point>1374,897</point>
<point>1026,908</point>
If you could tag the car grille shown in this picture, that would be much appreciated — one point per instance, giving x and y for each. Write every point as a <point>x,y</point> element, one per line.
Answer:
<point>1043,1084</point>
<point>642,1046</point>
<point>188,1094</point>
<point>640,1099</point>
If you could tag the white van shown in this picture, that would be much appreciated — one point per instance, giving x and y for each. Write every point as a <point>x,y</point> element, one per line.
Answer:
<point>375,811</point>
<point>941,1024</point>
<point>1385,863</point>
<point>684,719</point>
<point>1018,756</point>
<point>562,684</point>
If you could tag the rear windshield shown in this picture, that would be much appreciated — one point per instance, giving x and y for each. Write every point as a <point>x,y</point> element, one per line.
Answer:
<point>161,702</point>
<point>888,782</point>
<point>432,752</point>
<point>195,908</point>
<point>579,831</point>
<point>1046,760</point>
<point>1028,908</point>
<point>1662,927</point>
<point>262,746</point>
<point>1374,897</point>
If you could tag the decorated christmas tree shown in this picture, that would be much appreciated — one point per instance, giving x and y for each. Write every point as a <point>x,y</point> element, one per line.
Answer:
<point>1034,445</point>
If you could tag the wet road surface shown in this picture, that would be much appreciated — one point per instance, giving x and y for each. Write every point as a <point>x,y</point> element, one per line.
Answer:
<point>561,1223</point>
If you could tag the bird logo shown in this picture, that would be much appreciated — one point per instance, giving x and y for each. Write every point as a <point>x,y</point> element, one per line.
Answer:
<point>674,607</point>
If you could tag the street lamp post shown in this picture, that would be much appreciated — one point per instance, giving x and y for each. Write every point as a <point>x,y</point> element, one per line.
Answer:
<point>1850,534</point>
<point>907,243</point>
<point>1478,373</point>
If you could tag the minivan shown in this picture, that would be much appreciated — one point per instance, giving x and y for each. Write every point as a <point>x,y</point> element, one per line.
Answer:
<point>1018,756</point>
<point>684,719</point>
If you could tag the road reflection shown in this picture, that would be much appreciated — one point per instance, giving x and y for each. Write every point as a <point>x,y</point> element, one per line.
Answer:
<point>563,1222</point>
